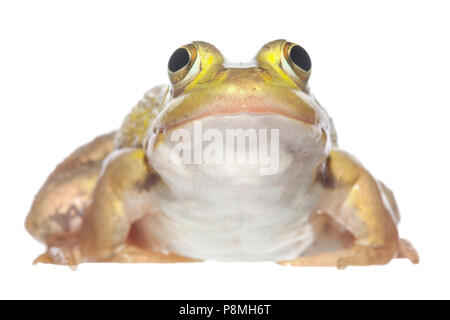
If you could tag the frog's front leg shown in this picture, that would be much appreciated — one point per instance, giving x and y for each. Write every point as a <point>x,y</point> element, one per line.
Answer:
<point>106,229</point>
<point>357,202</point>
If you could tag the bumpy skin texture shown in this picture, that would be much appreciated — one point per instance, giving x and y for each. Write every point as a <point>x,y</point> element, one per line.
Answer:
<point>83,211</point>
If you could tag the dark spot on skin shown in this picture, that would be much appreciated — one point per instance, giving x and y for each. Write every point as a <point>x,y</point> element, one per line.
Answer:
<point>150,181</point>
<point>64,219</point>
<point>325,177</point>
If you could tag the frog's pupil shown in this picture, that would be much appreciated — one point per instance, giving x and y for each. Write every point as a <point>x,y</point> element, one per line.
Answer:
<point>300,57</point>
<point>179,59</point>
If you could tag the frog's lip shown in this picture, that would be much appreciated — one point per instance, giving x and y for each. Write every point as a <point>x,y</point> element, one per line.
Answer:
<point>230,111</point>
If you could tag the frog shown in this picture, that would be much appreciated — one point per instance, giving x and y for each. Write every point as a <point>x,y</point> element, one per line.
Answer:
<point>127,197</point>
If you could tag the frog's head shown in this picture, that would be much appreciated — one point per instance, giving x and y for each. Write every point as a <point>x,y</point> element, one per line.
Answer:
<point>273,86</point>
<point>204,84</point>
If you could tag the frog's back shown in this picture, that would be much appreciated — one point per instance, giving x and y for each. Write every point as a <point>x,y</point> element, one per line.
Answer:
<point>134,128</point>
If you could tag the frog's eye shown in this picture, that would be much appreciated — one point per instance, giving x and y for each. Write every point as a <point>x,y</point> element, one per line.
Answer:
<point>300,57</point>
<point>181,63</point>
<point>179,59</point>
<point>296,60</point>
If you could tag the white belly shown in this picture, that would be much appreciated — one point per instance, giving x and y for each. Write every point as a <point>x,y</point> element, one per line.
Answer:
<point>231,211</point>
<point>229,233</point>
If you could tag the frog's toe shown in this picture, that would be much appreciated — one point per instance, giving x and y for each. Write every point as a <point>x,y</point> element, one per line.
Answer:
<point>60,256</point>
<point>407,250</point>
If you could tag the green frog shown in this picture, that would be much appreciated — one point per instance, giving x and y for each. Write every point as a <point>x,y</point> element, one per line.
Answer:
<point>166,186</point>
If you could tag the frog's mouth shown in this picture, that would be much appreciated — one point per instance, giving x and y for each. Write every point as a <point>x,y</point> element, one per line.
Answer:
<point>245,111</point>
<point>179,117</point>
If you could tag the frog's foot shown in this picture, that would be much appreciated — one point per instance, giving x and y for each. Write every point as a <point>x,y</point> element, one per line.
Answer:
<point>370,255</point>
<point>329,259</point>
<point>366,256</point>
<point>72,257</point>
<point>357,256</point>
<point>134,254</point>
<point>63,256</point>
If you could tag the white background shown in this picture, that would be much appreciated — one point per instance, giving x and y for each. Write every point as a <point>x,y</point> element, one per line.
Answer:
<point>70,70</point>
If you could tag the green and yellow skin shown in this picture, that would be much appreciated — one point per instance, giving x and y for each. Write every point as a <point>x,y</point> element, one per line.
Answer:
<point>117,199</point>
